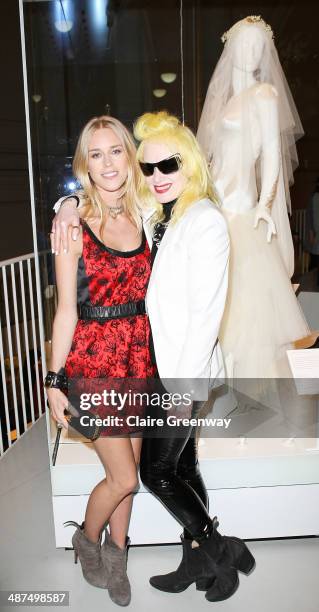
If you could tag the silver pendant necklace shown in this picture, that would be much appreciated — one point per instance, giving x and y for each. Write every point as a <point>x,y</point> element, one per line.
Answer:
<point>116,210</point>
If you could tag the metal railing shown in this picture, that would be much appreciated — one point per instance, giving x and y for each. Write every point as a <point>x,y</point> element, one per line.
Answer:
<point>22,399</point>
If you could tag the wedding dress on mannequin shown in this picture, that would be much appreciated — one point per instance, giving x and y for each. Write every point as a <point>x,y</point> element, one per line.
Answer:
<point>248,130</point>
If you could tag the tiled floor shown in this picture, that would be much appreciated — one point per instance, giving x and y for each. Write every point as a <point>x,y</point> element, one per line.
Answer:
<point>285,579</point>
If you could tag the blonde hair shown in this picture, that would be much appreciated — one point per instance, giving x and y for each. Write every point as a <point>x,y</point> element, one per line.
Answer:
<point>162,127</point>
<point>130,193</point>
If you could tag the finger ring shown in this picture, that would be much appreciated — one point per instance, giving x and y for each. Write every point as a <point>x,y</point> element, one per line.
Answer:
<point>76,226</point>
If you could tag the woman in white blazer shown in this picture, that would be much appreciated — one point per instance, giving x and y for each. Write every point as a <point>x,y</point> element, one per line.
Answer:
<point>185,302</point>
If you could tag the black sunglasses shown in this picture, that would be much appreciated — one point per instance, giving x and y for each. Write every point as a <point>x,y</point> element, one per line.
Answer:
<point>165,166</point>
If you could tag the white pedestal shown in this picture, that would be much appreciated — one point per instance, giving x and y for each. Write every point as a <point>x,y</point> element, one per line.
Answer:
<point>233,477</point>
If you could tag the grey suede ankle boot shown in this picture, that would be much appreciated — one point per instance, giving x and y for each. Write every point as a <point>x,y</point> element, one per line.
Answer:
<point>90,557</point>
<point>115,562</point>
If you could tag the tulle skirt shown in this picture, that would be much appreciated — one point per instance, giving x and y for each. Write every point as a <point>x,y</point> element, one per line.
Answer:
<point>262,315</point>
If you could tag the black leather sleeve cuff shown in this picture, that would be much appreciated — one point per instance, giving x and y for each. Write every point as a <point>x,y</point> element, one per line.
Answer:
<point>72,196</point>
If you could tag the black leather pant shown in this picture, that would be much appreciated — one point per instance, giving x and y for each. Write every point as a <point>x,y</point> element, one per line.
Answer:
<point>169,469</point>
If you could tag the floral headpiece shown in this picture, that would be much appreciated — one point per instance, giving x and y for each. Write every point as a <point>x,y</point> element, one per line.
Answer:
<point>252,19</point>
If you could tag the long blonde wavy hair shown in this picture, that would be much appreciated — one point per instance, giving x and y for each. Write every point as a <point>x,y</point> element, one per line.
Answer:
<point>162,127</point>
<point>129,195</point>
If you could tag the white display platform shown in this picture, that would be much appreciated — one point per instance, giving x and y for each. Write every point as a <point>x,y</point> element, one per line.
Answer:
<point>249,513</point>
<point>233,477</point>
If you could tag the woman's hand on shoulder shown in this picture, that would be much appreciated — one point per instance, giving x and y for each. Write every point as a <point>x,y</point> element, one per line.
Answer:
<point>74,246</point>
<point>67,218</point>
<point>57,402</point>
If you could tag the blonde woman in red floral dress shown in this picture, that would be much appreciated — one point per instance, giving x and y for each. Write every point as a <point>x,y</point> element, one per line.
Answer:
<point>101,330</point>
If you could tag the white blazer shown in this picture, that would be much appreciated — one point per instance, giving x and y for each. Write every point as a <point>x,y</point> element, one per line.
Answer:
<point>187,293</point>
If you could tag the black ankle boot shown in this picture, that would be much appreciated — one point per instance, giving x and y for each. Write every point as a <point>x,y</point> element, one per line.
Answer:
<point>219,578</point>
<point>208,565</point>
<point>239,557</point>
<point>238,552</point>
<point>177,581</point>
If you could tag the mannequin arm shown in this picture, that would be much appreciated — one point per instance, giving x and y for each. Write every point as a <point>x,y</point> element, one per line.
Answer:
<point>267,109</point>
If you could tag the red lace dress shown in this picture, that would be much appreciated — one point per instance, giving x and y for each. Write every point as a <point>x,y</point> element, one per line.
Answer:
<point>115,348</point>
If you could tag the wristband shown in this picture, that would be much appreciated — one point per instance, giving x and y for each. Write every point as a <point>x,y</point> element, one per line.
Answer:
<point>56,380</point>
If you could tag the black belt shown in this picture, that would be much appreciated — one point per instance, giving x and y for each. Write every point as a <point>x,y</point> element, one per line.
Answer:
<point>118,311</point>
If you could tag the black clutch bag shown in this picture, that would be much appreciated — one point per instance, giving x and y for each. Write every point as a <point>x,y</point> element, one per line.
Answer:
<point>73,416</point>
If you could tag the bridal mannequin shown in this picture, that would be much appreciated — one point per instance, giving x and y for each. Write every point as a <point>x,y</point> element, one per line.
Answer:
<point>246,130</point>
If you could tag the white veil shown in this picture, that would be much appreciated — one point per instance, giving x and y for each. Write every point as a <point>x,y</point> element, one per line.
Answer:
<point>220,91</point>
